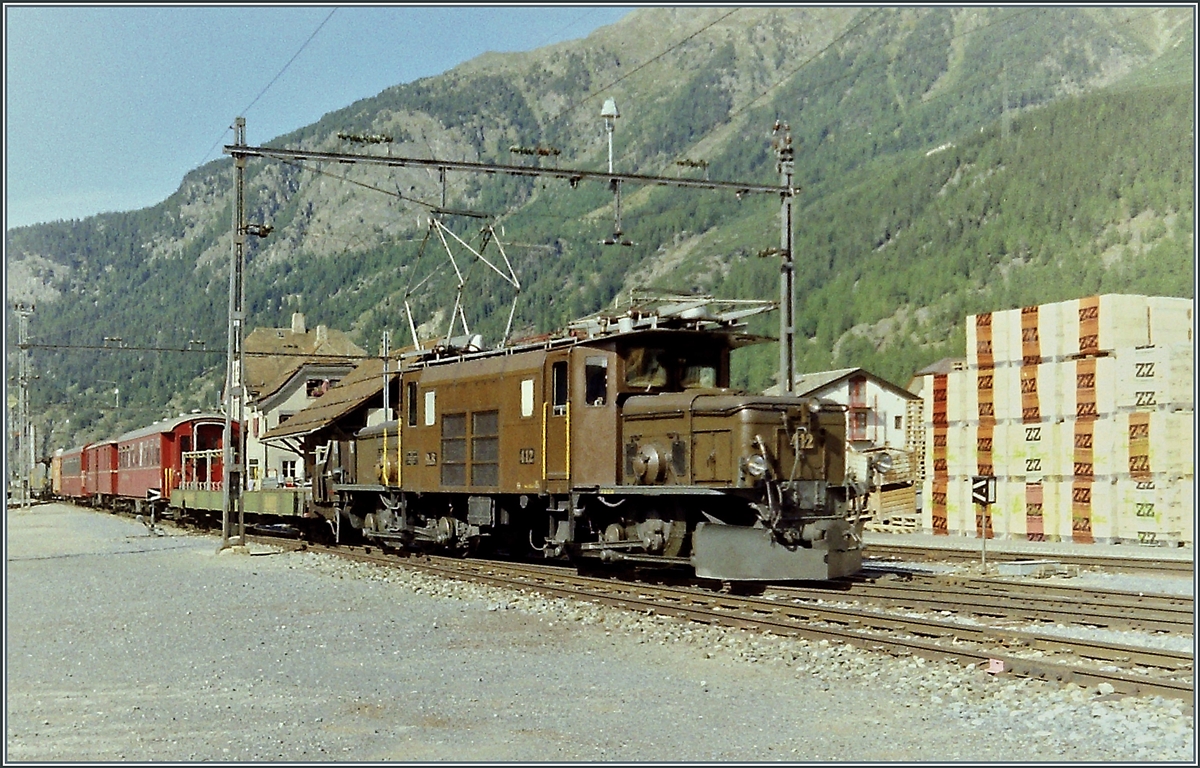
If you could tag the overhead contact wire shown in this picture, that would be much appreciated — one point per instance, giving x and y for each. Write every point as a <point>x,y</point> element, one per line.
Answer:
<point>268,85</point>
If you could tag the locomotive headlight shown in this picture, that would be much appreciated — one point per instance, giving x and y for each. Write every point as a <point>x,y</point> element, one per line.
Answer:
<point>882,463</point>
<point>756,465</point>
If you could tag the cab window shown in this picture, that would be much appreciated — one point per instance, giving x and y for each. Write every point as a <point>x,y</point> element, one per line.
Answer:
<point>596,376</point>
<point>699,377</point>
<point>645,368</point>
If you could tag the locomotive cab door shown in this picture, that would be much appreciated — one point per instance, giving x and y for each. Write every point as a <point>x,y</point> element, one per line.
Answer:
<point>594,447</point>
<point>556,421</point>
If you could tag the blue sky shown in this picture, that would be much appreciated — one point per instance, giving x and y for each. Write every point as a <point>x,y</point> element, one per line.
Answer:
<point>107,107</point>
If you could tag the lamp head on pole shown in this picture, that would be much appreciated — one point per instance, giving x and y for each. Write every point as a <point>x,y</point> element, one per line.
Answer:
<point>609,113</point>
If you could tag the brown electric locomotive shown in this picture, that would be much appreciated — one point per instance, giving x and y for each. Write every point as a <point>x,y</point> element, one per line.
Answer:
<point>618,442</point>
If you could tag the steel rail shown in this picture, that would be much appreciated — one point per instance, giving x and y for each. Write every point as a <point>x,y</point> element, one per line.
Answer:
<point>905,636</point>
<point>1114,597</point>
<point>1108,562</point>
<point>1006,604</point>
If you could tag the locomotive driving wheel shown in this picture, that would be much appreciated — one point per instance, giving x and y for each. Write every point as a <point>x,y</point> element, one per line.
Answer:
<point>668,529</point>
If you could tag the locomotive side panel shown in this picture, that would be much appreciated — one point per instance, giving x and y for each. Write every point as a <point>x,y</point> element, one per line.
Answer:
<point>481,426</point>
<point>375,456</point>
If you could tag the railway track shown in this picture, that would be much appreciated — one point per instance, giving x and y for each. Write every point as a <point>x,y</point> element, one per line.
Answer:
<point>1014,601</point>
<point>1128,669</point>
<point>881,554</point>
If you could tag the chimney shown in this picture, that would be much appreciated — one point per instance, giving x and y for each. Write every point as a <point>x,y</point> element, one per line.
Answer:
<point>322,334</point>
<point>298,322</point>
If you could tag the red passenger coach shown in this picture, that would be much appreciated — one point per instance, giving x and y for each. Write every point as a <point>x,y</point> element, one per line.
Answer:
<point>100,481</point>
<point>72,473</point>
<point>150,460</point>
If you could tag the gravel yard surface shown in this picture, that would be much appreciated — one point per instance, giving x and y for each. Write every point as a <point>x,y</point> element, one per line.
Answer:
<point>125,646</point>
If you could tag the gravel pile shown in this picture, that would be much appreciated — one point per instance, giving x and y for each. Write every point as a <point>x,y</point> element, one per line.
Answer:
<point>124,647</point>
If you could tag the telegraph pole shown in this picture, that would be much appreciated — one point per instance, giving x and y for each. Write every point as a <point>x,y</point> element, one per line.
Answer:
<point>231,497</point>
<point>787,267</point>
<point>387,349</point>
<point>25,439</point>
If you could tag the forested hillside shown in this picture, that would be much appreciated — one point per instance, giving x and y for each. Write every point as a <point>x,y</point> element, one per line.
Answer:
<point>949,161</point>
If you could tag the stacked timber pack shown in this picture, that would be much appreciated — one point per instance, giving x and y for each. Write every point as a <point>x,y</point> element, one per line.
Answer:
<point>1084,412</point>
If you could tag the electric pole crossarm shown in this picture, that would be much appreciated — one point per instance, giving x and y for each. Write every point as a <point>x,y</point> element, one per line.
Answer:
<point>570,175</point>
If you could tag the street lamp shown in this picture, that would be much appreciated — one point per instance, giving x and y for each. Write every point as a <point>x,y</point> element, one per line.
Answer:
<point>609,113</point>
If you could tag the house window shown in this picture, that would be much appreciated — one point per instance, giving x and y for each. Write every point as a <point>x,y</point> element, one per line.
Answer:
<point>253,468</point>
<point>899,421</point>
<point>288,469</point>
<point>858,392</point>
<point>858,425</point>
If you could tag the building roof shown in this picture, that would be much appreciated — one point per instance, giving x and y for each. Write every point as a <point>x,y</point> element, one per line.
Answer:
<point>274,355</point>
<point>359,386</point>
<point>941,367</point>
<point>811,383</point>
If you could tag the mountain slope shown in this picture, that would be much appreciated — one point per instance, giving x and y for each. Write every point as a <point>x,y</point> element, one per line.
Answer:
<point>922,198</point>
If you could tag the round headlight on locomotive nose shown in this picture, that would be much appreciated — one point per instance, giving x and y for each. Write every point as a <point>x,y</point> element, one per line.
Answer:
<point>756,465</point>
<point>882,462</point>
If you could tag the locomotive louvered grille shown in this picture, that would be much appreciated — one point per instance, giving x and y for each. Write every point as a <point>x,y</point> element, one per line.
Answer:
<point>485,448</point>
<point>454,449</point>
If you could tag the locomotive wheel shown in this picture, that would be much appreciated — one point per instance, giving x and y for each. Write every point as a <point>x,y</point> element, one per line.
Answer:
<point>445,531</point>
<point>672,528</point>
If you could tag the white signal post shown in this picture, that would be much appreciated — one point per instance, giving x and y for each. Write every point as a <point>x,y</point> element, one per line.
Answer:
<point>983,493</point>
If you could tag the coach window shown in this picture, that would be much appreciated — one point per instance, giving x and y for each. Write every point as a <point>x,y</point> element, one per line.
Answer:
<point>558,379</point>
<point>430,408</point>
<point>411,393</point>
<point>596,377</point>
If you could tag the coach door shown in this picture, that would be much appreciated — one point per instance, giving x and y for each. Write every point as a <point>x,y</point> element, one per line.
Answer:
<point>556,423</point>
